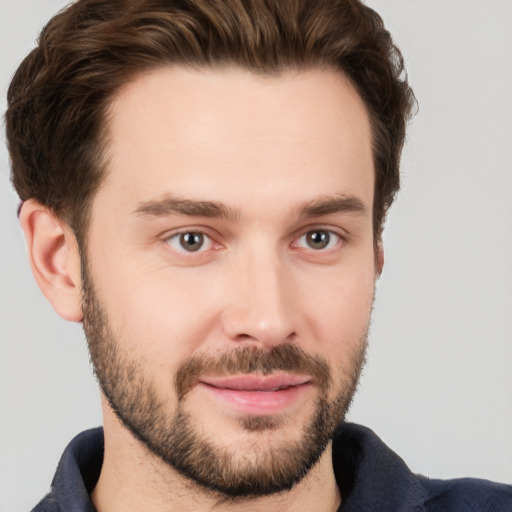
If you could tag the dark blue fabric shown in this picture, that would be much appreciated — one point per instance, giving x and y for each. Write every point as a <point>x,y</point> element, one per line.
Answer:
<point>77,473</point>
<point>370,476</point>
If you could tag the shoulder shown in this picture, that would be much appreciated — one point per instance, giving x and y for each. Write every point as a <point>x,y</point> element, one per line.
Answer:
<point>77,473</point>
<point>372,477</point>
<point>47,504</point>
<point>467,495</point>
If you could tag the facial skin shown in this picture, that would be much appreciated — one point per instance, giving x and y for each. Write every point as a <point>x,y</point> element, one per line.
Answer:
<point>229,253</point>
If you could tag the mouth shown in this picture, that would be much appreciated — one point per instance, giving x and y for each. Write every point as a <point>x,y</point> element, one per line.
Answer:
<point>257,394</point>
<point>263,383</point>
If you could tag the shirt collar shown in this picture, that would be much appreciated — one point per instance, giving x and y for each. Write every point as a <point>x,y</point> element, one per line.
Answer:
<point>370,476</point>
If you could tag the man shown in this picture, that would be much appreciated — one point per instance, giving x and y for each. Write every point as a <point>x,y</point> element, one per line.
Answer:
<point>204,186</point>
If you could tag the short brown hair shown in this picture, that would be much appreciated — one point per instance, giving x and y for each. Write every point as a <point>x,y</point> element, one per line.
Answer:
<point>59,96</point>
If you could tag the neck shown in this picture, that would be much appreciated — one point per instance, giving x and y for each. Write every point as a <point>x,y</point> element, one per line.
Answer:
<point>133,479</point>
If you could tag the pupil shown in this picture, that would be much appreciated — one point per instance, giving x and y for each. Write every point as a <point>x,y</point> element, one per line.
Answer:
<point>192,241</point>
<point>318,239</point>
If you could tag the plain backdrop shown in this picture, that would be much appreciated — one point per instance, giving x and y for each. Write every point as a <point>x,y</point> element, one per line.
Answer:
<point>438,384</point>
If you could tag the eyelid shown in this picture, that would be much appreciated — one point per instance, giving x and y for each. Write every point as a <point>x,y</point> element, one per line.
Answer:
<point>194,228</point>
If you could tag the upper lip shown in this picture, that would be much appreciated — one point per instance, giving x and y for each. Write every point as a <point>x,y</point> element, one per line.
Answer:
<point>256,382</point>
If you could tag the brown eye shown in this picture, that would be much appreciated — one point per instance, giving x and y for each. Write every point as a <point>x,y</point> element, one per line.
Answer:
<point>191,241</point>
<point>318,239</point>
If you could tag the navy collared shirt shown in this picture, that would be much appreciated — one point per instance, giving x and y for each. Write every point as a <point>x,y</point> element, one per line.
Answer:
<point>370,476</point>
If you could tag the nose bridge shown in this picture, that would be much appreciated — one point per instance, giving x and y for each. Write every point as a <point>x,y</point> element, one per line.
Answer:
<point>261,298</point>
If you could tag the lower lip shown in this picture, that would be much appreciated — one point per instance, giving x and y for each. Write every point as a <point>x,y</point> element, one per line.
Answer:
<point>258,402</point>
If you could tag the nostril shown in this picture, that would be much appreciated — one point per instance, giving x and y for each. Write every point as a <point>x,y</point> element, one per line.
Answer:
<point>244,337</point>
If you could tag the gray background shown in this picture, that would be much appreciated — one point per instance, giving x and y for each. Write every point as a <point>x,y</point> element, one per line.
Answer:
<point>438,385</point>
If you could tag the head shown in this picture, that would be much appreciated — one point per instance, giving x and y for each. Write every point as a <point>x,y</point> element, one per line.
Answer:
<point>225,169</point>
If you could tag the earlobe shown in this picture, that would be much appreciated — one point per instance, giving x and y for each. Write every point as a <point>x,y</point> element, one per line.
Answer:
<point>54,258</point>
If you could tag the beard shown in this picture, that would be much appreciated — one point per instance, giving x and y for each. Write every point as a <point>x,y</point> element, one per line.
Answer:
<point>182,441</point>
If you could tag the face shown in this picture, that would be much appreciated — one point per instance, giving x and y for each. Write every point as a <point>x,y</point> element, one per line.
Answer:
<point>230,269</point>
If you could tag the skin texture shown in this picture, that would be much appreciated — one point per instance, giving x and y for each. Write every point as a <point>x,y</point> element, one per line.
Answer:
<point>264,168</point>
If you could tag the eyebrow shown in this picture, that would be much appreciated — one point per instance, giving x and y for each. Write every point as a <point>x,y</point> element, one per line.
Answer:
<point>333,204</point>
<point>214,209</point>
<point>191,208</point>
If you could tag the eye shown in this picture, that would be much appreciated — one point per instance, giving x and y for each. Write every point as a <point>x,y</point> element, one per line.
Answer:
<point>190,241</point>
<point>318,239</point>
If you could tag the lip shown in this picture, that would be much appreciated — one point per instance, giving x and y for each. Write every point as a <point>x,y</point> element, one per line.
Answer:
<point>256,382</point>
<point>257,394</point>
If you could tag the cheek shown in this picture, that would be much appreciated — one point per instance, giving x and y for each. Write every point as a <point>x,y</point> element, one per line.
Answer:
<point>161,317</point>
<point>339,308</point>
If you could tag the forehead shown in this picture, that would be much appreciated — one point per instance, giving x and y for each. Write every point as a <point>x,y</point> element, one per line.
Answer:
<point>237,134</point>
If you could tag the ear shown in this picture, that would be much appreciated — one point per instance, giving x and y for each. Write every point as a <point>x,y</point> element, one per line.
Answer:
<point>379,259</point>
<point>54,258</point>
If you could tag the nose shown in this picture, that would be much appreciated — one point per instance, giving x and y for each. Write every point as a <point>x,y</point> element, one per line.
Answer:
<point>261,308</point>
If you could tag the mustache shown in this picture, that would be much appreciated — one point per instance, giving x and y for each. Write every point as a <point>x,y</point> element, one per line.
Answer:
<point>246,360</point>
